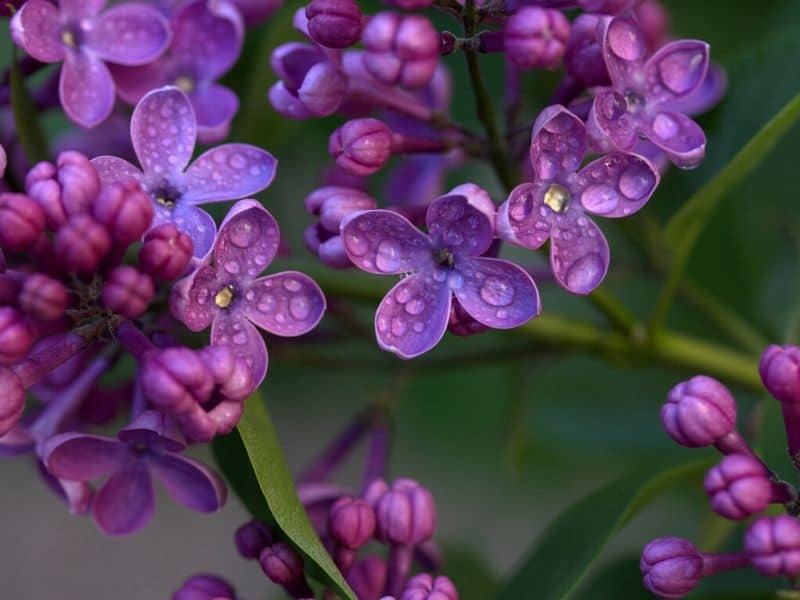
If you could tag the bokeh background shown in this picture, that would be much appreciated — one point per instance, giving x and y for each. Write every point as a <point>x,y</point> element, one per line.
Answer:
<point>505,444</point>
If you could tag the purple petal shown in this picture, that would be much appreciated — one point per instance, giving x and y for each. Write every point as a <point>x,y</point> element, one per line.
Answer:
<point>523,219</point>
<point>497,292</point>
<point>383,242</point>
<point>624,48</point>
<point>134,82</point>
<point>558,143</point>
<point>198,224</point>
<point>706,95</point>
<point>676,70</point>
<point>287,103</point>
<point>86,89</point>
<point>248,241</point>
<point>215,106</point>
<point>610,125</point>
<point>192,298</point>
<point>125,503</point>
<point>292,61</point>
<point>412,317</point>
<point>81,8</point>
<point>76,494</point>
<point>455,224</point>
<point>229,172</point>
<point>36,27</point>
<point>129,34</point>
<point>578,254</point>
<point>234,330</point>
<point>286,304</point>
<point>617,185</point>
<point>189,482</point>
<point>163,132</point>
<point>111,169</point>
<point>79,457</point>
<point>680,137</point>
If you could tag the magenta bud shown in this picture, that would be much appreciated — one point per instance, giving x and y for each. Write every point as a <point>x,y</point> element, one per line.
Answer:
<point>367,577</point>
<point>334,203</point>
<point>252,537</point>
<point>125,210</point>
<point>43,297</point>
<point>536,37</point>
<point>671,567</point>
<point>401,49</point>
<point>16,336</point>
<point>323,89</point>
<point>362,146</point>
<point>12,399</point>
<point>281,564</point>
<point>334,23</point>
<point>583,55</point>
<point>463,324</point>
<point>738,487</point>
<point>780,372</point>
<point>351,522</point>
<point>82,243</point>
<point>405,512</point>
<point>699,412</point>
<point>79,181</point>
<point>427,587</point>
<point>127,292</point>
<point>773,544</point>
<point>166,252</point>
<point>205,587</point>
<point>231,374</point>
<point>21,222</point>
<point>175,380</point>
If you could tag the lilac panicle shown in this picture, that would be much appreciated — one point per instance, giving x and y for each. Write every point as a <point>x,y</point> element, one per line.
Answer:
<point>84,38</point>
<point>556,204</point>
<point>446,262</point>
<point>164,131</point>
<point>227,293</point>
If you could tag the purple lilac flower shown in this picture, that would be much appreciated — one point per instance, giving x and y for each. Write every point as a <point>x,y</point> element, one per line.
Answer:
<point>227,293</point>
<point>446,262</point>
<point>641,99</point>
<point>207,39</point>
<point>554,206</point>
<point>147,447</point>
<point>427,587</point>
<point>205,587</point>
<point>164,131</point>
<point>84,38</point>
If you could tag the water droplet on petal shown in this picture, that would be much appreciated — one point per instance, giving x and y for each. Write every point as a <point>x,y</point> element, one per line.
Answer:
<point>243,232</point>
<point>292,285</point>
<point>300,307</point>
<point>585,273</point>
<point>387,258</point>
<point>240,338</point>
<point>665,126</point>
<point>399,326</point>
<point>625,41</point>
<point>356,244</point>
<point>636,181</point>
<point>599,198</point>
<point>403,294</point>
<point>497,292</point>
<point>415,306</point>
<point>231,267</point>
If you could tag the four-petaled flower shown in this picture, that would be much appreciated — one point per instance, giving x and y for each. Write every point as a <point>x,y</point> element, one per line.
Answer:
<point>644,96</point>
<point>413,316</point>
<point>163,132</point>
<point>555,205</point>
<point>227,293</point>
<point>77,33</point>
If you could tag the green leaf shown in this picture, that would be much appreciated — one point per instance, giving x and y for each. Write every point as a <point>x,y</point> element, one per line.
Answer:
<point>26,117</point>
<point>253,462</point>
<point>469,572</point>
<point>566,550</point>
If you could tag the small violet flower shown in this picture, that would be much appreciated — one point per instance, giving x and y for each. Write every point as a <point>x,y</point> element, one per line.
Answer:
<point>413,316</point>
<point>146,447</point>
<point>77,33</point>
<point>164,131</point>
<point>227,293</point>
<point>643,98</point>
<point>554,206</point>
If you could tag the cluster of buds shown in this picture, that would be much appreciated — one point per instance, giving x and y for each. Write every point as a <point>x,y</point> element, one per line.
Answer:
<point>701,412</point>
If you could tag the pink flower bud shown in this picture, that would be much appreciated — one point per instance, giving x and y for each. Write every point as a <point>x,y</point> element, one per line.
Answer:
<point>334,23</point>
<point>16,336</point>
<point>367,577</point>
<point>63,190</point>
<point>671,567</point>
<point>362,146</point>
<point>125,210</point>
<point>780,372</point>
<point>166,252</point>
<point>738,487</point>
<point>405,512</point>
<point>82,243</point>
<point>43,297</point>
<point>281,564</point>
<point>426,587</point>
<point>252,537</point>
<point>21,222</point>
<point>351,522</point>
<point>773,544</point>
<point>127,292</point>
<point>698,412</point>
<point>536,37</point>
<point>12,399</point>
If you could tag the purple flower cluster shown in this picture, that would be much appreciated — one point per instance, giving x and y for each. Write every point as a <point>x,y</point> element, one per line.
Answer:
<point>702,412</point>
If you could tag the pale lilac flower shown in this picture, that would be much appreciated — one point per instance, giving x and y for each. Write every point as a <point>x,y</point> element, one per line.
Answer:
<point>164,131</point>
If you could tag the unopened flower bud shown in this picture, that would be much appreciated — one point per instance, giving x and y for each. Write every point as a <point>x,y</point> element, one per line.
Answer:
<point>334,203</point>
<point>205,587</point>
<point>175,379</point>
<point>166,252</point>
<point>409,4</point>
<point>780,372</point>
<point>405,512</point>
<point>351,522</point>
<point>362,146</point>
<point>16,336</point>
<point>252,537</point>
<point>773,544</point>
<point>671,567</point>
<point>583,55</point>
<point>82,243</point>
<point>63,190</point>
<point>334,23</point>
<point>43,297</point>
<point>125,210</point>
<point>21,222</point>
<point>127,291</point>
<point>367,577</point>
<point>12,399</point>
<point>281,564</point>
<point>462,323</point>
<point>740,486</point>
<point>427,587</point>
<point>536,37</point>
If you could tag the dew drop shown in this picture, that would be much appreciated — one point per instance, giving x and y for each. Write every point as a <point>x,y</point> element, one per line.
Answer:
<point>399,326</point>
<point>231,267</point>
<point>497,292</point>
<point>625,41</point>
<point>403,294</point>
<point>243,232</point>
<point>636,181</point>
<point>418,326</point>
<point>240,338</point>
<point>300,307</point>
<point>356,244</point>
<point>599,198</point>
<point>292,285</point>
<point>415,306</point>
<point>387,257</point>
<point>665,126</point>
<point>585,273</point>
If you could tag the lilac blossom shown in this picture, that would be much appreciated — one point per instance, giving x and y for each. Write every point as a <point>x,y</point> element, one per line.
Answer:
<point>164,131</point>
<point>84,38</point>
<point>227,293</point>
<point>446,262</point>
<point>554,206</point>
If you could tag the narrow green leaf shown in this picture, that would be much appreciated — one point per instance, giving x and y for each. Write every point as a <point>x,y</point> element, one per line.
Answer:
<point>26,118</point>
<point>568,547</point>
<point>253,462</point>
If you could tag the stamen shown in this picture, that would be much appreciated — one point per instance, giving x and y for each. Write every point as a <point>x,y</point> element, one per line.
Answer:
<point>557,198</point>
<point>224,297</point>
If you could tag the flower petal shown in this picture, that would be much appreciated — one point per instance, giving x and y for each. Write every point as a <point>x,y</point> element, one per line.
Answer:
<point>558,143</point>
<point>163,132</point>
<point>76,494</point>
<point>192,298</point>
<point>134,82</point>
<point>676,70</point>
<point>497,292</point>
<point>234,330</point>
<point>578,254</point>
<point>229,172</point>
<point>86,89</point>
<point>610,125</point>
<point>680,137</point>
<point>287,304</point>
<point>129,34</point>
<point>79,457</point>
<point>198,224</point>
<point>456,224</point>
<point>413,316</point>
<point>706,95</point>
<point>111,169</point>
<point>189,482</point>
<point>215,106</point>
<point>624,49</point>
<point>125,503</point>
<point>247,242</point>
<point>383,242</point>
<point>617,185</point>
<point>81,8</point>
<point>36,27</point>
<point>287,103</point>
<point>523,219</point>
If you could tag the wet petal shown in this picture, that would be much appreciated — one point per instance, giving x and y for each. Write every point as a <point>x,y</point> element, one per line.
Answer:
<point>610,125</point>
<point>523,219</point>
<point>229,172</point>
<point>558,143</point>
<point>681,138</point>
<point>134,82</point>
<point>189,482</point>
<point>234,330</point>
<point>113,170</point>
<point>86,89</point>
<point>292,61</point>
<point>456,224</point>
<point>82,8</point>
<point>676,70</point>
<point>497,292</point>
<point>617,185</point>
<point>129,34</point>
<point>578,254</point>
<point>624,49</point>
<point>163,132</point>
<point>383,242</point>
<point>412,317</point>
<point>125,503</point>
<point>79,457</point>
<point>36,27</point>
<point>247,242</point>
<point>215,106</point>
<point>706,95</point>
<point>287,103</point>
<point>192,298</point>
<point>198,224</point>
<point>286,304</point>
<point>76,494</point>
